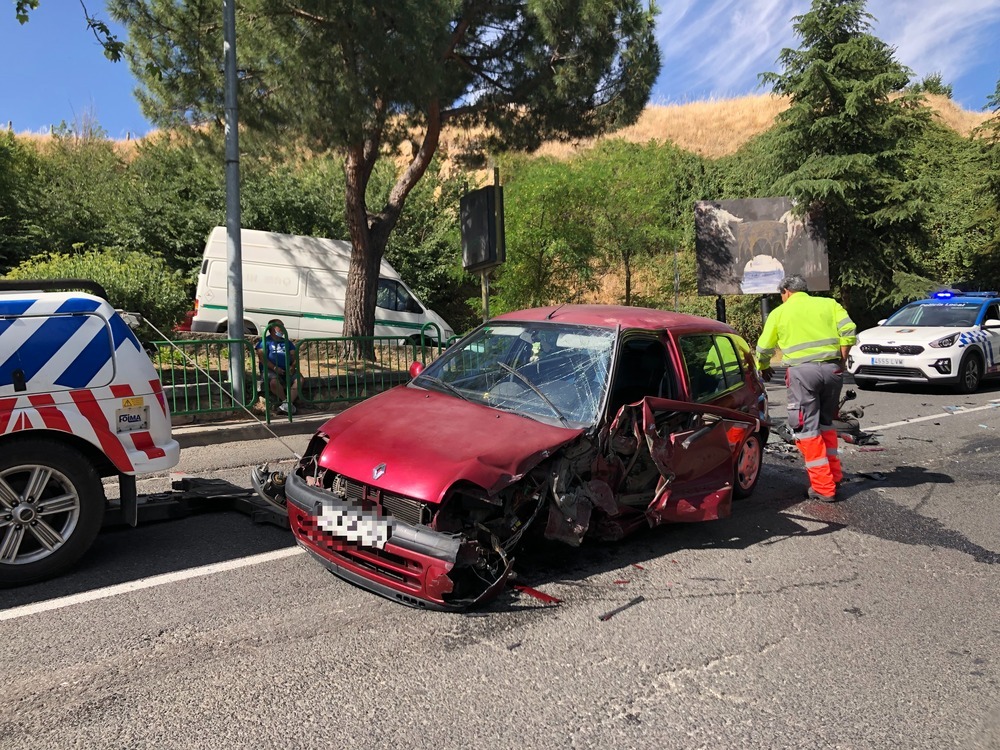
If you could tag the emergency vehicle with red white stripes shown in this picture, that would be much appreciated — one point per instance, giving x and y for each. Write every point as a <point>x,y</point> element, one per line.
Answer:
<point>79,400</point>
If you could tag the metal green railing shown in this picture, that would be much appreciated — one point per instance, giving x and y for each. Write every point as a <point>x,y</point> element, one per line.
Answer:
<point>195,373</point>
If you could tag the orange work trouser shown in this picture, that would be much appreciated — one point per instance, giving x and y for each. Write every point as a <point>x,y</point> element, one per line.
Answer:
<point>813,396</point>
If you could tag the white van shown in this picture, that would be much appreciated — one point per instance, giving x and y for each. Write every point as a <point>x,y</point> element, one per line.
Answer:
<point>303,281</point>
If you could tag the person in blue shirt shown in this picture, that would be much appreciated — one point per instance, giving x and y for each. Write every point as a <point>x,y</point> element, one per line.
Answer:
<point>278,361</point>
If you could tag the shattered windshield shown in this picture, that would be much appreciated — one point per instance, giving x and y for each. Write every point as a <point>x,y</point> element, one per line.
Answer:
<point>554,373</point>
<point>937,315</point>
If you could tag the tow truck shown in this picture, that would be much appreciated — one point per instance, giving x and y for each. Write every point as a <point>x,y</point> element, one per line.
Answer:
<point>80,401</point>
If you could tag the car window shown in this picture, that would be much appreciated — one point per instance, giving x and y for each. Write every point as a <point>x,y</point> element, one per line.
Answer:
<point>392,295</point>
<point>641,370</point>
<point>729,361</point>
<point>937,314</point>
<point>992,312</point>
<point>712,365</point>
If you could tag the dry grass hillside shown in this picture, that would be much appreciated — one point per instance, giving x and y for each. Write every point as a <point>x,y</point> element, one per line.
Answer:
<point>709,128</point>
<point>719,127</point>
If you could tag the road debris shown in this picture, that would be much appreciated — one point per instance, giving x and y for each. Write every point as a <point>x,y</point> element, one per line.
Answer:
<point>540,595</point>
<point>608,615</point>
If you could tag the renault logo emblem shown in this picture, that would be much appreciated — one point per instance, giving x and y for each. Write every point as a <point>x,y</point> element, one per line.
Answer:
<point>378,471</point>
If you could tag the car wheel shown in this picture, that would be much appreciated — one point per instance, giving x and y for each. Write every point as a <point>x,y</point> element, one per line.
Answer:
<point>970,373</point>
<point>51,508</point>
<point>748,465</point>
<point>864,384</point>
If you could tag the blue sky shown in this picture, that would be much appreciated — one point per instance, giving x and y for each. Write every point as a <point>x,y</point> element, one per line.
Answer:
<point>712,49</point>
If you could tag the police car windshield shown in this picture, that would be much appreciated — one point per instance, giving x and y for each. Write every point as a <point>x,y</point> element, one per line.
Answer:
<point>937,314</point>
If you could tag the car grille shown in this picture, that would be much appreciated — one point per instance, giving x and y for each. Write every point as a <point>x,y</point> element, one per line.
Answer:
<point>404,508</point>
<point>908,349</point>
<point>891,372</point>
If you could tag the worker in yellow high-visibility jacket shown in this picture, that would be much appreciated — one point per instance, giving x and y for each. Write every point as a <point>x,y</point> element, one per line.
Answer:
<point>814,335</point>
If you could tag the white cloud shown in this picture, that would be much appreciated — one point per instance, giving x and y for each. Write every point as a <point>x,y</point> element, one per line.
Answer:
<point>717,48</point>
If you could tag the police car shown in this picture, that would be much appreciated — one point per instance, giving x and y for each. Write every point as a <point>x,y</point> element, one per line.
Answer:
<point>79,400</point>
<point>950,338</point>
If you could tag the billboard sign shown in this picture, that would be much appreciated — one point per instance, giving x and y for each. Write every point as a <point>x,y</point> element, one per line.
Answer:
<point>748,246</point>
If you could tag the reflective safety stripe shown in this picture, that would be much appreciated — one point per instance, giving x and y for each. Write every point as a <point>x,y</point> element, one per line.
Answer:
<point>831,452</point>
<point>818,462</point>
<point>805,434</point>
<point>811,344</point>
<point>832,355</point>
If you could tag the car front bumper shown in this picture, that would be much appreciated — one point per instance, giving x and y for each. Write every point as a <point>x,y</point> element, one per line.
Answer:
<point>411,566</point>
<point>930,366</point>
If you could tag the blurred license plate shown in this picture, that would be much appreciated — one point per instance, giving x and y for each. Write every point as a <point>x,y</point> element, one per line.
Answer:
<point>366,528</point>
<point>886,361</point>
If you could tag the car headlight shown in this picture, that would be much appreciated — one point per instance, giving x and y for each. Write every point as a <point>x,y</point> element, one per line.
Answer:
<point>945,342</point>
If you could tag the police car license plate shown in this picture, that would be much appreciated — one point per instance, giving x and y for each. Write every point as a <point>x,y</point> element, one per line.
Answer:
<point>132,418</point>
<point>887,361</point>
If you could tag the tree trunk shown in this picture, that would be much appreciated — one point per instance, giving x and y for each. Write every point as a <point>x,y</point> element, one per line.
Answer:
<point>370,232</point>
<point>366,259</point>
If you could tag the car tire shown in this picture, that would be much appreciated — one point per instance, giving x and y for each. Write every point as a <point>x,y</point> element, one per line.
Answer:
<point>249,329</point>
<point>970,373</point>
<point>746,473</point>
<point>38,542</point>
<point>864,384</point>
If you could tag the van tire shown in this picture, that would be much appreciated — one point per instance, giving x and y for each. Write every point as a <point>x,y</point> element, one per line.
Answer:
<point>67,476</point>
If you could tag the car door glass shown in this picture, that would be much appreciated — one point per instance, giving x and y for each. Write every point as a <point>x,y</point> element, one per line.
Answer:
<point>729,361</point>
<point>386,295</point>
<point>704,365</point>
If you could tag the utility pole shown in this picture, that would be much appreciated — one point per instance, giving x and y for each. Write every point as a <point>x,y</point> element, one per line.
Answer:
<point>234,252</point>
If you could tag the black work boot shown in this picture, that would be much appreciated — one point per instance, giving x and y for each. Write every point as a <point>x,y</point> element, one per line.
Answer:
<point>814,495</point>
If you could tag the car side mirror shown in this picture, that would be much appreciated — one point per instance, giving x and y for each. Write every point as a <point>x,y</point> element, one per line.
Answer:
<point>991,323</point>
<point>415,369</point>
<point>882,322</point>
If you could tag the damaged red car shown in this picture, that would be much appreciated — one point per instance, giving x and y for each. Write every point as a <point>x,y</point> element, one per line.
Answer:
<point>570,423</point>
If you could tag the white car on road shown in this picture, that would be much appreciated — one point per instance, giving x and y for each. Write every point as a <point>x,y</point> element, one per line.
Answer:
<point>950,338</point>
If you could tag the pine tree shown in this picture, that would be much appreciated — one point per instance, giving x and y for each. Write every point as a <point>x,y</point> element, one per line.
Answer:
<point>841,145</point>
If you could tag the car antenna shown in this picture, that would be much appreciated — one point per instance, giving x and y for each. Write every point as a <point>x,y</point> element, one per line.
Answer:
<point>549,316</point>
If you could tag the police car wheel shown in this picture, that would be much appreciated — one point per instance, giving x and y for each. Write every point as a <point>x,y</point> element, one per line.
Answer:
<point>970,373</point>
<point>748,464</point>
<point>51,508</point>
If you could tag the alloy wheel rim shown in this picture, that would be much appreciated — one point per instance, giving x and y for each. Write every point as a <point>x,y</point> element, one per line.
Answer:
<point>39,511</point>
<point>748,465</point>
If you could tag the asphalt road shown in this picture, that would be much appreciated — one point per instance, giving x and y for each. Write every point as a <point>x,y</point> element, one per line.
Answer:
<point>871,623</point>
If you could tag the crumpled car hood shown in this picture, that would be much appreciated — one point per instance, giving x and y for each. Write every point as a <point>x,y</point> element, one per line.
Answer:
<point>429,440</point>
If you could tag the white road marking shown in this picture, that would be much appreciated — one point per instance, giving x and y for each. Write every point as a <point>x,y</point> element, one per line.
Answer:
<point>145,583</point>
<point>932,416</point>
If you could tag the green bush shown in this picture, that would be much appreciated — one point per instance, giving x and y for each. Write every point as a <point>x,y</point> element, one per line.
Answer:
<point>134,281</point>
